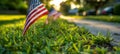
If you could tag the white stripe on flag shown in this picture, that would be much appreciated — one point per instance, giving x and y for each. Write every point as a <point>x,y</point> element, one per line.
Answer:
<point>35,18</point>
<point>34,9</point>
<point>35,13</point>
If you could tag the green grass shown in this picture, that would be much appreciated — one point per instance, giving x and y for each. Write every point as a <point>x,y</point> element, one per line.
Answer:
<point>59,37</point>
<point>11,19</point>
<point>115,19</point>
<point>105,18</point>
<point>74,16</point>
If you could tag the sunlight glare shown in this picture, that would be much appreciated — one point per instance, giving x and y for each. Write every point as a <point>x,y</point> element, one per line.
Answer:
<point>56,3</point>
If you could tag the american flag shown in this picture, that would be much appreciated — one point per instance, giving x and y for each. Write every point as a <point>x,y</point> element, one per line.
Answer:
<point>35,11</point>
<point>53,13</point>
<point>56,15</point>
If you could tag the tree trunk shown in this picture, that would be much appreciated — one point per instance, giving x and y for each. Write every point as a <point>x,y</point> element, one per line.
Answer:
<point>96,9</point>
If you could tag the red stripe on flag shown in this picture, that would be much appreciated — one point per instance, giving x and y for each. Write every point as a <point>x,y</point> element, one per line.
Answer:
<point>30,23</point>
<point>35,14</point>
<point>35,9</point>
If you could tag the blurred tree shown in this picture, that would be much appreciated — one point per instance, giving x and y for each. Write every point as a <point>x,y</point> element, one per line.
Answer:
<point>73,1</point>
<point>77,1</point>
<point>46,2</point>
<point>2,4</point>
<point>10,4</point>
<point>64,7</point>
<point>117,9</point>
<point>96,4</point>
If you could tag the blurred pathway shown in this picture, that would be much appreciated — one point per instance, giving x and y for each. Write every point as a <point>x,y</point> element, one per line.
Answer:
<point>96,27</point>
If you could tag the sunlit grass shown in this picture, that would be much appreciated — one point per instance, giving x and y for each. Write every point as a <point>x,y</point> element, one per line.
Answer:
<point>77,17</point>
<point>74,16</point>
<point>11,17</point>
<point>12,20</point>
<point>105,18</point>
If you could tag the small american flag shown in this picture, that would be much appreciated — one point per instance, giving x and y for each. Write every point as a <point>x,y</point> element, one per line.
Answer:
<point>56,15</point>
<point>35,11</point>
<point>53,13</point>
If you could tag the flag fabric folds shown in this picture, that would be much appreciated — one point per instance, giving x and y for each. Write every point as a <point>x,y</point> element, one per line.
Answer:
<point>35,11</point>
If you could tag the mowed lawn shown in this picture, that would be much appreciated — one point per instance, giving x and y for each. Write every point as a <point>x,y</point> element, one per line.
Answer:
<point>11,19</point>
<point>58,37</point>
<point>104,18</point>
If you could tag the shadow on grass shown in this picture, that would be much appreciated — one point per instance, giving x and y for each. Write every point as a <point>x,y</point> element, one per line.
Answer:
<point>4,22</point>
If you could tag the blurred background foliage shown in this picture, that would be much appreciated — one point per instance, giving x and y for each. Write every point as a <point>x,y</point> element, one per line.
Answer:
<point>65,6</point>
<point>117,9</point>
<point>17,5</point>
